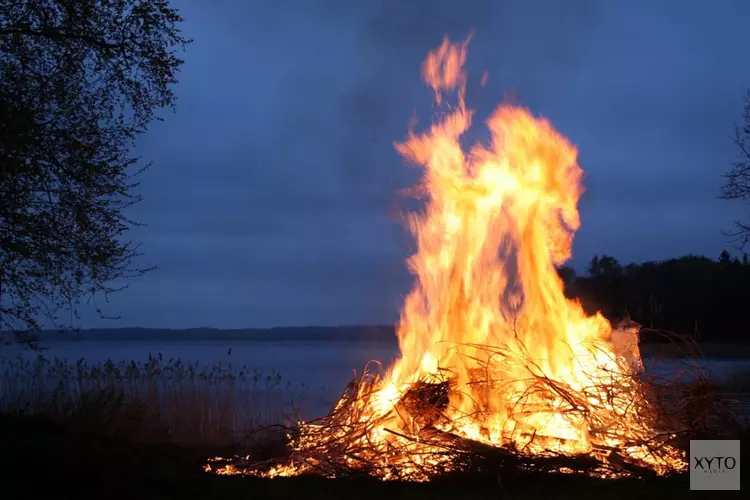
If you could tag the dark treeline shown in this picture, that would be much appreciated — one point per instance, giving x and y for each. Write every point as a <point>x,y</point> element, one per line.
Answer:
<point>702,297</point>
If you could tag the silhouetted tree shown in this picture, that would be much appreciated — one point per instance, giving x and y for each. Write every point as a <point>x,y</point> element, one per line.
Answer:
<point>688,295</point>
<point>79,81</point>
<point>567,274</point>
<point>724,257</point>
<point>606,265</point>
<point>737,180</point>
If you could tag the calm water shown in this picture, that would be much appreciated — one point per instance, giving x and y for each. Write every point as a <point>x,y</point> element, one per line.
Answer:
<point>315,372</point>
<point>318,370</point>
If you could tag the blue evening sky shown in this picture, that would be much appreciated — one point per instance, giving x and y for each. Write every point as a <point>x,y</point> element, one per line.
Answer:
<point>271,196</point>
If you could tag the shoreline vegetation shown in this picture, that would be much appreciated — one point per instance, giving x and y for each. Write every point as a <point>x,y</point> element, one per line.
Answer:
<point>162,400</point>
<point>197,405</point>
<point>147,429</point>
<point>150,426</point>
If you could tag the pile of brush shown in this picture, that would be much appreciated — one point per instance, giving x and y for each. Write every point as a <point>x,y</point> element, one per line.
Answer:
<point>349,440</point>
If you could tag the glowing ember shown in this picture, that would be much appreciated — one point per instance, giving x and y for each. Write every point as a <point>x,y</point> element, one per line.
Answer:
<point>494,358</point>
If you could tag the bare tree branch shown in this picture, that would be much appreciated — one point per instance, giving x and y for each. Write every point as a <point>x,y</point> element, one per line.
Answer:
<point>62,35</point>
<point>737,180</point>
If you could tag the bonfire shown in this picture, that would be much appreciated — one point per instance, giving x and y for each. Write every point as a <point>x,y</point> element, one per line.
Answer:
<point>497,367</point>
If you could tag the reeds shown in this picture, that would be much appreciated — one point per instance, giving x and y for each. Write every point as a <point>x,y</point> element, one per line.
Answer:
<point>156,400</point>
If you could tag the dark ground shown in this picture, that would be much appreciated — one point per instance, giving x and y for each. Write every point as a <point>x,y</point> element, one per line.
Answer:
<point>40,460</point>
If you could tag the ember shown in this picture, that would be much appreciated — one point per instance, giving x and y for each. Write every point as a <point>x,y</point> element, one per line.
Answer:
<point>498,368</point>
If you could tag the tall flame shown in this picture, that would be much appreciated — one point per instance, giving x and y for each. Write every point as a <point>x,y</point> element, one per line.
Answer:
<point>497,221</point>
<point>527,368</point>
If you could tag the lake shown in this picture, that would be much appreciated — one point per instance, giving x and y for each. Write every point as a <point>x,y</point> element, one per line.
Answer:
<point>316,371</point>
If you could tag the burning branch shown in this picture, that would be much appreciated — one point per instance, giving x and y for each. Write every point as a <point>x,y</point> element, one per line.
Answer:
<point>417,439</point>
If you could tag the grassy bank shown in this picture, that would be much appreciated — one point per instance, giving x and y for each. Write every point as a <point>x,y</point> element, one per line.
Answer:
<point>160,400</point>
<point>146,429</point>
<point>39,459</point>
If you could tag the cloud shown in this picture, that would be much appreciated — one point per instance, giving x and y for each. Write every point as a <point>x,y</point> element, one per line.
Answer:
<point>271,196</point>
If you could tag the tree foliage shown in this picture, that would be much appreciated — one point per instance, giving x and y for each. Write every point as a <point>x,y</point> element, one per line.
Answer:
<point>690,295</point>
<point>606,265</point>
<point>737,180</point>
<point>80,80</point>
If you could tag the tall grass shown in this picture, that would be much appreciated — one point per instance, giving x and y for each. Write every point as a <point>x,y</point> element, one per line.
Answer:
<point>158,399</point>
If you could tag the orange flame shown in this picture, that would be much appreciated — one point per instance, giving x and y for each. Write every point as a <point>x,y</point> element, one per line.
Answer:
<point>527,367</point>
<point>497,222</point>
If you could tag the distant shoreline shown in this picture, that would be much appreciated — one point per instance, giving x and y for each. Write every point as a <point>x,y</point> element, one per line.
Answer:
<point>354,333</point>
<point>375,333</point>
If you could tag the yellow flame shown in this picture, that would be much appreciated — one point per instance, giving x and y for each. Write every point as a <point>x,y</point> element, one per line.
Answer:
<point>527,367</point>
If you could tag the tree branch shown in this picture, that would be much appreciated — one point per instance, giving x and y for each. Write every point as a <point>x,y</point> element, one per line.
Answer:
<point>62,35</point>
